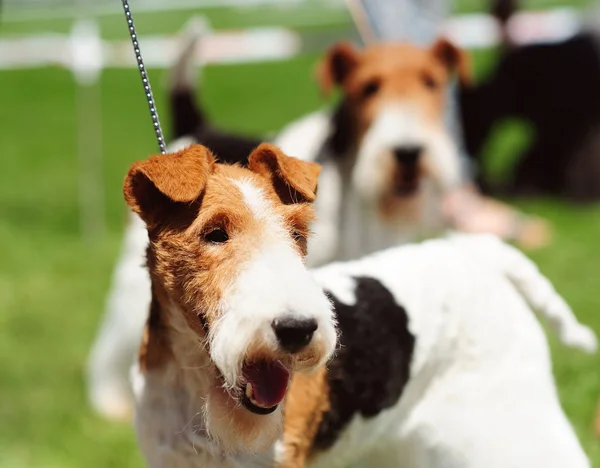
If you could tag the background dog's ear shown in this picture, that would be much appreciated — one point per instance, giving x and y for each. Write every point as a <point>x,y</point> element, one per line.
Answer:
<point>336,66</point>
<point>454,59</point>
<point>294,180</point>
<point>154,185</point>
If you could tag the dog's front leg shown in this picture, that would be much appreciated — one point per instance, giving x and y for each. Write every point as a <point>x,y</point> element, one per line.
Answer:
<point>306,403</point>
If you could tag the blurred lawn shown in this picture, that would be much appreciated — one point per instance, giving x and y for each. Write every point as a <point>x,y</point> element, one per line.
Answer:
<point>52,285</point>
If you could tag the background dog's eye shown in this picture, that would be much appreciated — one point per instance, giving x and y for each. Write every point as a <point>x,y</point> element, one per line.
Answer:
<point>430,82</point>
<point>370,88</point>
<point>217,236</point>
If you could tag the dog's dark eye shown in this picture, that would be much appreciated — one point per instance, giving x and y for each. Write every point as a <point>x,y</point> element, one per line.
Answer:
<point>430,82</point>
<point>370,88</point>
<point>217,236</point>
<point>297,236</point>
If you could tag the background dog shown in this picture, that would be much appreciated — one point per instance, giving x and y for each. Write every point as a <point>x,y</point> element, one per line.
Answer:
<point>386,143</point>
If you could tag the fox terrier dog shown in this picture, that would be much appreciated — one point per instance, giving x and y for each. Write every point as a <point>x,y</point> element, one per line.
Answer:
<point>388,156</point>
<point>234,311</point>
<point>231,369</point>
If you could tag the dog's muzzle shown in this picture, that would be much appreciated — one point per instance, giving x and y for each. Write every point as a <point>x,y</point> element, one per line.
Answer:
<point>265,382</point>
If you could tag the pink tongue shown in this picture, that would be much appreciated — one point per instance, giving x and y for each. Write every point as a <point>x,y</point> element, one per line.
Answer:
<point>269,381</point>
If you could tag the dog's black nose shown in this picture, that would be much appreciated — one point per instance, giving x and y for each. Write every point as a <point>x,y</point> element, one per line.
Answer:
<point>294,333</point>
<point>408,155</point>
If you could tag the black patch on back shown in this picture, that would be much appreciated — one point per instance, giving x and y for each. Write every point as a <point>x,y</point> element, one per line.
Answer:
<point>372,366</point>
<point>228,148</point>
<point>189,119</point>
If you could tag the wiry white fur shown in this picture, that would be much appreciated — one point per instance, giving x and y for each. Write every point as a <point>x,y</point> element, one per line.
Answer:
<point>362,230</point>
<point>272,284</point>
<point>261,209</point>
<point>534,287</point>
<point>119,337</point>
<point>481,391</point>
<point>397,125</point>
<point>304,137</point>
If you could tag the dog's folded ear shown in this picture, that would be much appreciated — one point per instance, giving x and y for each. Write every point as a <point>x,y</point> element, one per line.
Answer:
<point>339,62</point>
<point>156,184</point>
<point>453,58</point>
<point>294,180</point>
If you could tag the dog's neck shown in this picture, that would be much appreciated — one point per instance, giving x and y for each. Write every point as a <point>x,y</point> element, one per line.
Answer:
<point>169,344</point>
<point>173,354</point>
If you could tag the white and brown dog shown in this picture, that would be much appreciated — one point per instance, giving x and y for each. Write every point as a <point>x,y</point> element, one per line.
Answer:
<point>234,311</point>
<point>232,366</point>
<point>387,159</point>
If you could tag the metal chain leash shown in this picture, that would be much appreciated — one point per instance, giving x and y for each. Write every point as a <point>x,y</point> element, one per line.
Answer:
<point>145,80</point>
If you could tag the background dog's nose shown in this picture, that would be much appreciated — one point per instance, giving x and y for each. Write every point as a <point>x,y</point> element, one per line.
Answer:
<point>294,333</point>
<point>408,155</point>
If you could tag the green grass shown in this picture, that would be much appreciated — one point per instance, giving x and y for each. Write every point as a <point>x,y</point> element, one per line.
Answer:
<point>52,284</point>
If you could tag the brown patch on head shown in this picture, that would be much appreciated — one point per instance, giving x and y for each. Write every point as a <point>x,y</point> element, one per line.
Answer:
<point>307,401</point>
<point>384,73</point>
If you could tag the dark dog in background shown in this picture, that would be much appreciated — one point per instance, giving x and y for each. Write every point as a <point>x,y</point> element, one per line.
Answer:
<point>555,87</point>
<point>188,118</point>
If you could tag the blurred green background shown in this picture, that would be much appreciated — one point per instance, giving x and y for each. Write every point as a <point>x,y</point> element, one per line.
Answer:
<point>53,285</point>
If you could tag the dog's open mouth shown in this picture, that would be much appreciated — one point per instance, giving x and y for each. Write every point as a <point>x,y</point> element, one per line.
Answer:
<point>264,386</point>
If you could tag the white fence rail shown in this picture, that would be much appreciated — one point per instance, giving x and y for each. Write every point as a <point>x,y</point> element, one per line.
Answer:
<point>256,44</point>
